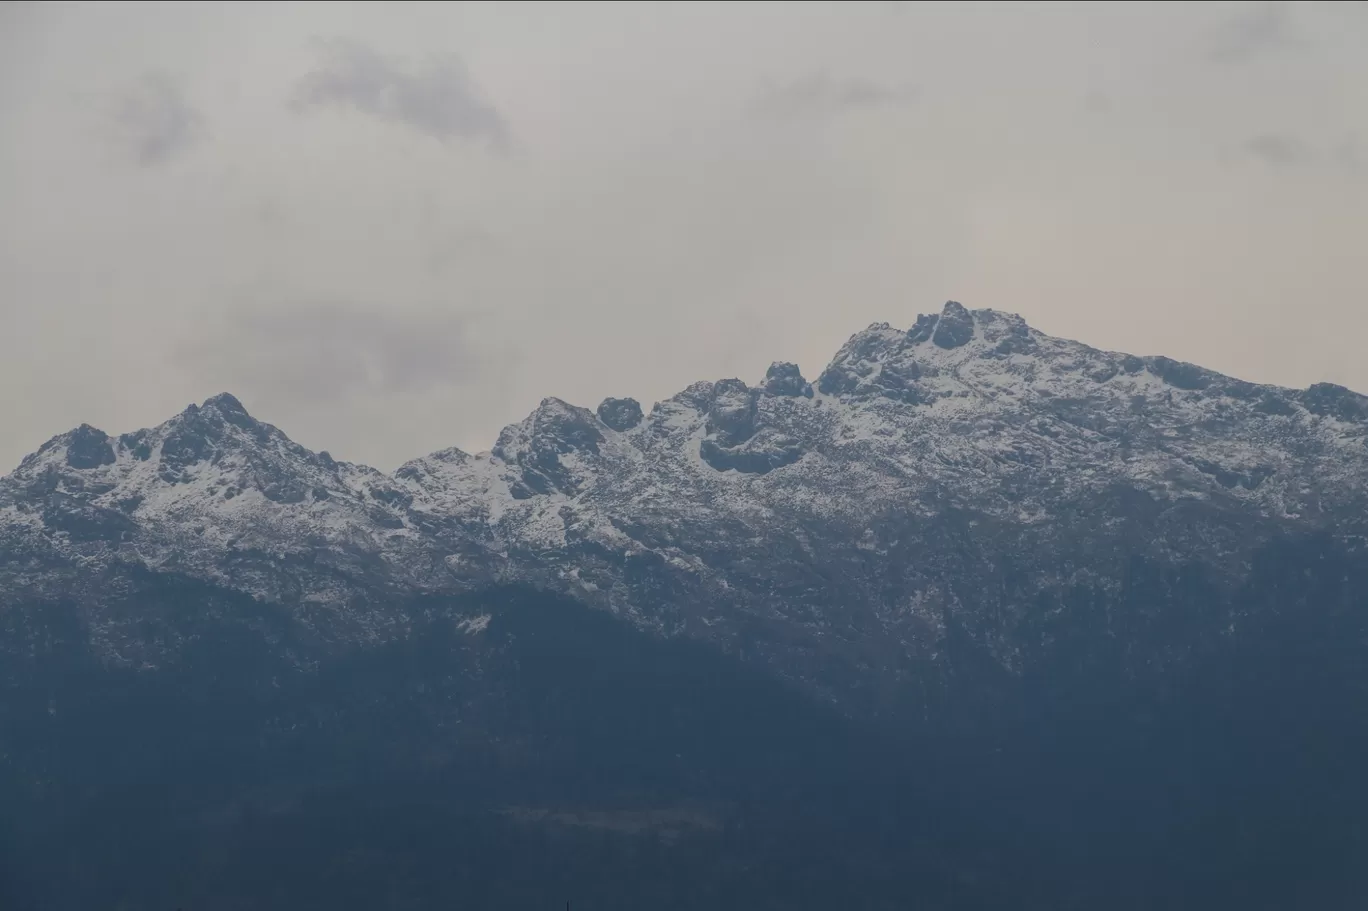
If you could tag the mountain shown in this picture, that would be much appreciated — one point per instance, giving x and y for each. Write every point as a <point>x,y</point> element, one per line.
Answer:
<point>1021,587</point>
<point>969,446</point>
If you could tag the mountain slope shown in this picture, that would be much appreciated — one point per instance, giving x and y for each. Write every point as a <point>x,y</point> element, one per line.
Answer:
<point>979,618</point>
<point>517,749</point>
<point>827,529</point>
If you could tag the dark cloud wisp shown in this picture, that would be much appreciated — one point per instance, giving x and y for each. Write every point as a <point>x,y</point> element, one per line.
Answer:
<point>1283,150</point>
<point>155,121</point>
<point>1259,29</point>
<point>822,94</point>
<point>437,97</point>
<point>1280,150</point>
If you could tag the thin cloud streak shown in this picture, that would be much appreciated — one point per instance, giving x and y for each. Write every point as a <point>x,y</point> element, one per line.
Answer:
<point>1280,150</point>
<point>822,94</point>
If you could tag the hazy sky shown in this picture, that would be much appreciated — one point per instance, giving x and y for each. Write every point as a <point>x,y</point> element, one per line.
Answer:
<point>390,229</point>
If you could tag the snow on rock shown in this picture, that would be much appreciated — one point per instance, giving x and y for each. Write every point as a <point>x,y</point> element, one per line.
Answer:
<point>199,491</point>
<point>728,500</point>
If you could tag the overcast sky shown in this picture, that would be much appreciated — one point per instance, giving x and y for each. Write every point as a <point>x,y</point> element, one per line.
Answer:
<point>391,229</point>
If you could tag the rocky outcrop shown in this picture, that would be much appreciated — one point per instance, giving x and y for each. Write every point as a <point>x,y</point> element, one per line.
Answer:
<point>783,378</point>
<point>955,326</point>
<point>620,414</point>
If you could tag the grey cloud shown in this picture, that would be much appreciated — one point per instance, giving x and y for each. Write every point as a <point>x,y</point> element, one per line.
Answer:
<point>821,94</point>
<point>1256,30</point>
<point>437,97</point>
<point>155,121</point>
<point>320,353</point>
<point>1285,150</point>
<point>1279,149</point>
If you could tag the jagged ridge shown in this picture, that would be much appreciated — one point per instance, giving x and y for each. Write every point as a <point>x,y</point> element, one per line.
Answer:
<point>727,502</point>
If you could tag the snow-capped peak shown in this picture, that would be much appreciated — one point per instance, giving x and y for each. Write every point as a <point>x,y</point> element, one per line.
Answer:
<point>969,409</point>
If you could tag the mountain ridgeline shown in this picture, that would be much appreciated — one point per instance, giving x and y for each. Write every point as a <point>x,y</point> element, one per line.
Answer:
<point>978,618</point>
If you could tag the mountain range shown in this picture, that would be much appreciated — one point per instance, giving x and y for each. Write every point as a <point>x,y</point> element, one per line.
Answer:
<point>1031,576</point>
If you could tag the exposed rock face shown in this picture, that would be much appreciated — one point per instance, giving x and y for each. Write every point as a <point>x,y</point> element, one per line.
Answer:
<point>923,328</point>
<point>620,414</point>
<point>547,447</point>
<point>957,472</point>
<point>88,448</point>
<point>731,414</point>
<point>784,378</point>
<point>1332,401</point>
<point>955,328</point>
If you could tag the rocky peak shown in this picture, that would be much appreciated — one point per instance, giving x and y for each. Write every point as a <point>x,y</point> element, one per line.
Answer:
<point>955,326</point>
<point>219,428</point>
<point>784,378</point>
<point>197,486</point>
<point>440,461</point>
<point>556,424</point>
<point>452,455</point>
<point>226,407</point>
<point>872,344</point>
<point>536,447</point>
<point>737,434</point>
<point>923,328</point>
<point>620,414</point>
<point>1333,400</point>
<point>225,403</point>
<point>697,396</point>
<point>89,447</point>
<point>82,448</point>
<point>878,361</point>
<point>731,415</point>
